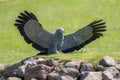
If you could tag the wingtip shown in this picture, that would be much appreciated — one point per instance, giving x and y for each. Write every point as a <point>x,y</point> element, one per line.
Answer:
<point>25,11</point>
<point>100,20</point>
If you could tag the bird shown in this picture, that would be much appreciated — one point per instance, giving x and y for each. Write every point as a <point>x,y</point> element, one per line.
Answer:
<point>48,43</point>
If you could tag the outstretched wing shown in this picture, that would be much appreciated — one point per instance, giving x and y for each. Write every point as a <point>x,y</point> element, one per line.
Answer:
<point>32,31</point>
<point>82,37</point>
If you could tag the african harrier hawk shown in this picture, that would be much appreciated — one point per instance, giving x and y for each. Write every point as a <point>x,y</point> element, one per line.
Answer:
<point>48,43</point>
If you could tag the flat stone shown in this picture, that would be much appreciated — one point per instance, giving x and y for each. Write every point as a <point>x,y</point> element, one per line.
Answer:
<point>34,71</point>
<point>101,68</point>
<point>53,76</point>
<point>40,61</point>
<point>86,67</point>
<point>21,71</point>
<point>67,77</point>
<point>42,75</point>
<point>111,73</point>
<point>51,62</point>
<point>107,61</point>
<point>59,76</point>
<point>74,64</point>
<point>2,78</point>
<point>91,76</point>
<point>72,72</point>
<point>117,66</point>
<point>14,78</point>
<point>34,79</point>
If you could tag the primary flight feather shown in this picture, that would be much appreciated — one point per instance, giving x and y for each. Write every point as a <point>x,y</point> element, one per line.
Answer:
<point>48,43</point>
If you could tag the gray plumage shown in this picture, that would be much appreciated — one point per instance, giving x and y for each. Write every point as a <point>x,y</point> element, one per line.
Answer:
<point>49,43</point>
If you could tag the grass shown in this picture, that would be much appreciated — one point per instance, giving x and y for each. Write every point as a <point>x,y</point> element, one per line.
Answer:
<point>71,15</point>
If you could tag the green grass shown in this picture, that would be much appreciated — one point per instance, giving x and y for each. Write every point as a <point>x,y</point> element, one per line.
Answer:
<point>71,15</point>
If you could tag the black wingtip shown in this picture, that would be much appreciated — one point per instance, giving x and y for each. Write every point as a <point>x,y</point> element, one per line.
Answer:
<point>99,20</point>
<point>98,27</point>
<point>23,18</point>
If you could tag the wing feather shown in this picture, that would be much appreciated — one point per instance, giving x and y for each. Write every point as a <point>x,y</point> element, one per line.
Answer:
<point>82,37</point>
<point>32,31</point>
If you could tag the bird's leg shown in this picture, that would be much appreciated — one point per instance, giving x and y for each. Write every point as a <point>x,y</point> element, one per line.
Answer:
<point>59,46</point>
<point>53,48</point>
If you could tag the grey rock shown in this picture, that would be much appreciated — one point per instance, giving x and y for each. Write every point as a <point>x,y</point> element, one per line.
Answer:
<point>2,68</point>
<point>53,76</point>
<point>21,71</point>
<point>31,75</point>
<point>59,76</point>
<point>101,68</point>
<point>35,68</point>
<point>74,64</point>
<point>91,76</point>
<point>51,62</point>
<point>42,75</point>
<point>29,59</point>
<point>111,73</point>
<point>10,71</point>
<point>86,67</point>
<point>67,77</point>
<point>34,71</point>
<point>40,61</point>
<point>46,68</point>
<point>2,78</point>
<point>107,61</point>
<point>34,79</point>
<point>72,72</point>
<point>117,66</point>
<point>30,64</point>
<point>14,78</point>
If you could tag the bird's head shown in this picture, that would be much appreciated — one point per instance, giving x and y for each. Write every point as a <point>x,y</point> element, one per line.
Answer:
<point>60,30</point>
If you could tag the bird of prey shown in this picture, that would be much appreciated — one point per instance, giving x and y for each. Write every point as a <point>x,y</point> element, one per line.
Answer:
<point>48,43</point>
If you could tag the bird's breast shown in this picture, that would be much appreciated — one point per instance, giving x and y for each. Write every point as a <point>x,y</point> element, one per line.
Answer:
<point>59,37</point>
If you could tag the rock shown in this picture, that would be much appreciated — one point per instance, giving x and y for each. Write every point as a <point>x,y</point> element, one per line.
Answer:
<point>107,61</point>
<point>59,76</point>
<point>91,76</point>
<point>2,78</point>
<point>34,79</point>
<point>27,60</point>
<point>35,68</point>
<point>42,75</point>
<point>53,76</point>
<point>34,71</point>
<point>67,77</point>
<point>72,72</point>
<point>40,61</point>
<point>14,78</point>
<point>51,62</point>
<point>46,68</point>
<point>74,64</point>
<point>86,67</point>
<point>2,67</point>
<point>10,71</point>
<point>101,68</point>
<point>111,73</point>
<point>21,71</point>
<point>117,67</point>
<point>30,64</point>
